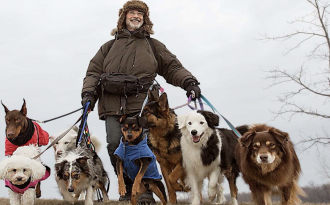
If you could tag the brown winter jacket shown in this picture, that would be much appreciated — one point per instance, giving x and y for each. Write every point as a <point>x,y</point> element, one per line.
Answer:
<point>131,54</point>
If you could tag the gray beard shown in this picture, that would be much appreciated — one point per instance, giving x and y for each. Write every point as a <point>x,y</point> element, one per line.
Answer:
<point>135,27</point>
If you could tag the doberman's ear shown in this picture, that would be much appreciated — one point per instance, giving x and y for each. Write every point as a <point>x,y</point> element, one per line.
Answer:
<point>122,118</point>
<point>23,109</point>
<point>151,96</point>
<point>246,139</point>
<point>6,109</point>
<point>163,103</point>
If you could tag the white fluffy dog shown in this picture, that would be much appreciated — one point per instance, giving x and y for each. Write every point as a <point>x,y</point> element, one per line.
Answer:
<point>21,174</point>
<point>201,147</point>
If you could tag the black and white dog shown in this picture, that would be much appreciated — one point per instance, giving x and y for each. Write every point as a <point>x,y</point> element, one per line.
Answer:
<point>208,152</point>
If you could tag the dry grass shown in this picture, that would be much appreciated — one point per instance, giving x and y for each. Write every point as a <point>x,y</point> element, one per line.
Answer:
<point>5,201</point>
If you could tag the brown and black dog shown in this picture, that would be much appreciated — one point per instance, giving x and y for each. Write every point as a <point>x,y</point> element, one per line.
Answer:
<point>164,140</point>
<point>21,131</point>
<point>269,165</point>
<point>135,158</point>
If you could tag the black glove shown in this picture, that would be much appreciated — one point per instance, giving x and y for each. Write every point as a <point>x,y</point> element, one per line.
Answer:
<point>88,97</point>
<point>192,87</point>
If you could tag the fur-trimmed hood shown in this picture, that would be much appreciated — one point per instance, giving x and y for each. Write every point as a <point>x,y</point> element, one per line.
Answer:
<point>134,5</point>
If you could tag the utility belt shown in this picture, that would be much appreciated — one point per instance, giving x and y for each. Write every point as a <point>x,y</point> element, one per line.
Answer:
<point>122,84</point>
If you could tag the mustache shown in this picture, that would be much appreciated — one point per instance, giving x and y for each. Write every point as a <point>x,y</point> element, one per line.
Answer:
<point>135,18</point>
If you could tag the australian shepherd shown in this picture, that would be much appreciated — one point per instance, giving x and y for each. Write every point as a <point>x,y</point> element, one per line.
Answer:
<point>208,152</point>
<point>81,170</point>
<point>269,165</point>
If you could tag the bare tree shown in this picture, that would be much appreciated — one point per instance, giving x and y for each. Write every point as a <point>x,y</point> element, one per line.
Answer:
<point>307,81</point>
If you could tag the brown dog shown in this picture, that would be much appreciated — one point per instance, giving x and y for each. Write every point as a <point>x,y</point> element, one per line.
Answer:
<point>269,165</point>
<point>21,131</point>
<point>164,139</point>
<point>139,162</point>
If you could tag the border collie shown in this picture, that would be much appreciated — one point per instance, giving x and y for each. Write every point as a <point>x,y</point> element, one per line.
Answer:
<point>208,152</point>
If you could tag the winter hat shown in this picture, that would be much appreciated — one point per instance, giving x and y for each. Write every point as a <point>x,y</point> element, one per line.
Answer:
<point>134,5</point>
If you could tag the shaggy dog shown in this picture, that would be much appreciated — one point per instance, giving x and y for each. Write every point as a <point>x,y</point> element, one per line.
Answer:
<point>208,152</point>
<point>269,165</point>
<point>21,174</point>
<point>61,150</point>
<point>81,170</point>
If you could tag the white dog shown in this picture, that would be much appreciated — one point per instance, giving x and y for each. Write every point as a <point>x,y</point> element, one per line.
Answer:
<point>68,143</point>
<point>201,147</point>
<point>21,174</point>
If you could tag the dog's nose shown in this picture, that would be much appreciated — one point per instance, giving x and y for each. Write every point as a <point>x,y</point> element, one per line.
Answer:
<point>59,152</point>
<point>264,157</point>
<point>19,178</point>
<point>193,132</point>
<point>129,135</point>
<point>10,134</point>
<point>70,189</point>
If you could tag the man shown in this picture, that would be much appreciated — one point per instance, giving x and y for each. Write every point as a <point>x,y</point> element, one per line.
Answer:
<point>134,53</point>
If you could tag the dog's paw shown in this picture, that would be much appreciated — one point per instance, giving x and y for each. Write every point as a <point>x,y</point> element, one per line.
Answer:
<point>122,190</point>
<point>135,190</point>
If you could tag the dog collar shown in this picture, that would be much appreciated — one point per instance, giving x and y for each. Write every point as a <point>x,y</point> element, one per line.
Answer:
<point>22,186</point>
<point>23,138</point>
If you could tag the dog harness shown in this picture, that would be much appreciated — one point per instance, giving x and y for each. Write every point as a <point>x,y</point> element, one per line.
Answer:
<point>20,189</point>
<point>129,153</point>
<point>38,137</point>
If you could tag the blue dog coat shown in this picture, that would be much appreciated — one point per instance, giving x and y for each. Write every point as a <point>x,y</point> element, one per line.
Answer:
<point>129,153</point>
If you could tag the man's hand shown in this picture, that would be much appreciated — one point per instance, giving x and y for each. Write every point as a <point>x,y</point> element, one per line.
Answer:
<point>88,97</point>
<point>193,90</point>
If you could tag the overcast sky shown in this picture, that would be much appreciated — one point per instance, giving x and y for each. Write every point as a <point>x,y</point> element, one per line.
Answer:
<point>46,46</point>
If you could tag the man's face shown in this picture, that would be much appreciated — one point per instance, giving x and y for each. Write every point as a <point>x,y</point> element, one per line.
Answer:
<point>134,20</point>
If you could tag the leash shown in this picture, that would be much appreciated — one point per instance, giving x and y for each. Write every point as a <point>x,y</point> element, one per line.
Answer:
<point>55,118</point>
<point>227,121</point>
<point>58,138</point>
<point>147,98</point>
<point>83,129</point>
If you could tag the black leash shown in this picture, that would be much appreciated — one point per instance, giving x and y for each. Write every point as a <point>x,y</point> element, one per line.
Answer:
<point>58,138</point>
<point>38,121</point>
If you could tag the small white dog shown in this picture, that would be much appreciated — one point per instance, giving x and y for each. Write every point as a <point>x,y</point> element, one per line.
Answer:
<point>21,174</point>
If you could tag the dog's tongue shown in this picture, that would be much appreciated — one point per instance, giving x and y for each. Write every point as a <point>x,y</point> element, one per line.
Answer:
<point>196,138</point>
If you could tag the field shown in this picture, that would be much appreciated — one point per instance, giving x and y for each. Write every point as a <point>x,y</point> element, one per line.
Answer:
<point>5,201</point>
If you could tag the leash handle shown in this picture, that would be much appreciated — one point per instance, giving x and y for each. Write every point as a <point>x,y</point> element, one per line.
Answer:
<point>199,101</point>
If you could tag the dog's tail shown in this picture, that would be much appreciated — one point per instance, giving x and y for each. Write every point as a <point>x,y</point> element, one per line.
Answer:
<point>296,191</point>
<point>96,142</point>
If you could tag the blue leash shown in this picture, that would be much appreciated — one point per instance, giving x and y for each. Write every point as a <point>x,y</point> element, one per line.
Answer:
<point>229,124</point>
<point>83,123</point>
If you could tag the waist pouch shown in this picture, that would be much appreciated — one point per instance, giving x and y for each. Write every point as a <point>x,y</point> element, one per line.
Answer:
<point>124,85</point>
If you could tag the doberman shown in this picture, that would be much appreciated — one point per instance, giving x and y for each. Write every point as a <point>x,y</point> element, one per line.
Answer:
<point>135,158</point>
<point>21,131</point>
